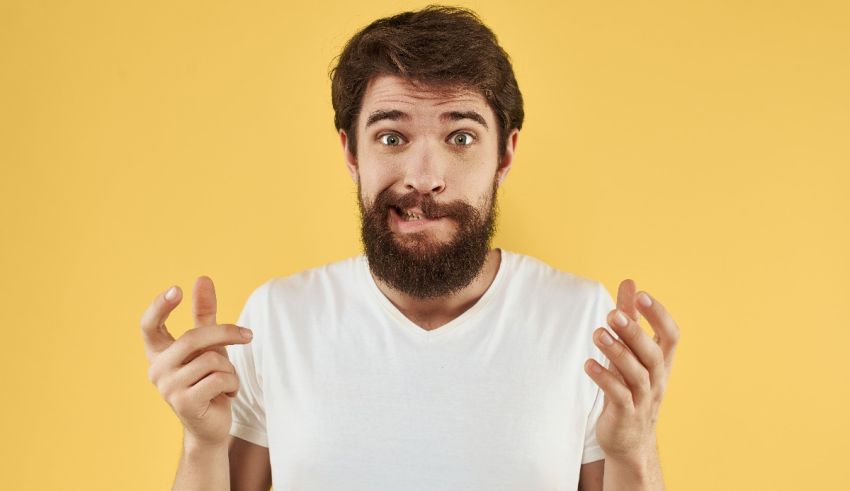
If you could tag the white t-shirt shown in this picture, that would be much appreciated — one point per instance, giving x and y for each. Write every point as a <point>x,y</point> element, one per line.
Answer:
<point>349,394</point>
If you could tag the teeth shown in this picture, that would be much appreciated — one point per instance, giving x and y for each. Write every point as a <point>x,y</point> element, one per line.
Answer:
<point>411,216</point>
<point>408,215</point>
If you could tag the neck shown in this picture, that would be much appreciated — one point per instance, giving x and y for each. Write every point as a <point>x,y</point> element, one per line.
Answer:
<point>431,313</point>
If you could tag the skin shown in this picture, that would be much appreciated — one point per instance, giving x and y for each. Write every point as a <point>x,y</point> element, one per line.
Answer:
<point>424,155</point>
<point>634,387</point>
<point>420,154</point>
<point>194,376</point>
<point>417,153</point>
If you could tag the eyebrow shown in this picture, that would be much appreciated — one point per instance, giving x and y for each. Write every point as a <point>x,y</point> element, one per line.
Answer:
<point>380,115</point>
<point>395,115</point>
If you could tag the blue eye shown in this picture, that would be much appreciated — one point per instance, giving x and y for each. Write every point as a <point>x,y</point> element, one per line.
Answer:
<point>462,139</point>
<point>390,139</point>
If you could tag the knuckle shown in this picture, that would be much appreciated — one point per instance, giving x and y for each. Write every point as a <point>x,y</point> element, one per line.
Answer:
<point>178,401</point>
<point>145,320</point>
<point>165,389</point>
<point>659,393</point>
<point>167,386</point>
<point>618,350</point>
<point>217,378</point>
<point>183,402</point>
<point>208,359</point>
<point>152,312</point>
<point>190,341</point>
<point>675,333</point>
<point>655,357</point>
<point>192,336</point>
<point>644,380</point>
<point>622,396</point>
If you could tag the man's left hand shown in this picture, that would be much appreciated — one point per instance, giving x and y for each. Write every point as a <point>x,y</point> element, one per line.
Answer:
<point>634,383</point>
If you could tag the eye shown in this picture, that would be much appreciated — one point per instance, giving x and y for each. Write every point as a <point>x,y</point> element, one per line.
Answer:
<point>390,139</point>
<point>462,138</point>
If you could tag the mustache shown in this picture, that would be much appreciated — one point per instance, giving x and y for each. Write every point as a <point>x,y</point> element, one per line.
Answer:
<point>430,208</point>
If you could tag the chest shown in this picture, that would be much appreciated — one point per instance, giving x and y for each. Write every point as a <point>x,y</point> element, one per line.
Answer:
<point>367,415</point>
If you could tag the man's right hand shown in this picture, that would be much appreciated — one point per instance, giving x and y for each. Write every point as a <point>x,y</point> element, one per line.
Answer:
<point>193,373</point>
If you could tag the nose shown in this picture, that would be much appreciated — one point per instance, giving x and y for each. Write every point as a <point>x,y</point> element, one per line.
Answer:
<point>423,174</point>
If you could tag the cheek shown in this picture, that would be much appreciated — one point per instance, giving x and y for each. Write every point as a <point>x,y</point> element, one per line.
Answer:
<point>476,180</point>
<point>372,184</point>
<point>377,175</point>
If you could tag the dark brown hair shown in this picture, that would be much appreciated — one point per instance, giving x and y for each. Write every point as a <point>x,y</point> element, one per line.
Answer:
<point>438,47</point>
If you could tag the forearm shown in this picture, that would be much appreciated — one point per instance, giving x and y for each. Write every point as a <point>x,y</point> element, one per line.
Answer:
<point>202,468</point>
<point>640,474</point>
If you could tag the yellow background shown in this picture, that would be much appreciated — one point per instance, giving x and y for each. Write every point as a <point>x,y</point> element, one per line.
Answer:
<point>700,148</point>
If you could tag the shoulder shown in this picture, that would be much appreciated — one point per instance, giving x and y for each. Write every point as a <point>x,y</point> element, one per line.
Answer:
<point>311,285</point>
<point>322,277</point>
<point>530,275</point>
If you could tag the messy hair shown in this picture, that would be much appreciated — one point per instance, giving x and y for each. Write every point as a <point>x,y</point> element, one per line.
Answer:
<point>439,47</point>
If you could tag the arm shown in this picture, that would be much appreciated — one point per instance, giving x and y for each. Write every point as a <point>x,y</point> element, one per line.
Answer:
<point>621,475</point>
<point>634,385</point>
<point>244,465</point>
<point>202,467</point>
<point>196,378</point>
<point>642,474</point>
<point>250,467</point>
<point>590,476</point>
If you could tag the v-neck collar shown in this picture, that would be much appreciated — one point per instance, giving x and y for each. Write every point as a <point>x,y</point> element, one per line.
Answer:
<point>454,324</point>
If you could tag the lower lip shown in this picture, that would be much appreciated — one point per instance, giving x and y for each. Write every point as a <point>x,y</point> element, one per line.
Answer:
<point>405,226</point>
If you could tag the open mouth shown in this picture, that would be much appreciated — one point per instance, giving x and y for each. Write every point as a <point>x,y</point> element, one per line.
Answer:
<point>411,215</point>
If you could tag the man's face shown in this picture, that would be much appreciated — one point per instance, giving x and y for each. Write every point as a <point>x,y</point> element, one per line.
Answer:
<point>427,170</point>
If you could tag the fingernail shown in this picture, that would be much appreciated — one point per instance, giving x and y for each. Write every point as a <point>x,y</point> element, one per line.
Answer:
<point>608,340</point>
<point>246,333</point>
<point>644,299</point>
<point>620,319</point>
<point>171,294</point>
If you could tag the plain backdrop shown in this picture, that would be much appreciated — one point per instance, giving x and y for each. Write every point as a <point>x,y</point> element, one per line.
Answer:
<point>699,148</point>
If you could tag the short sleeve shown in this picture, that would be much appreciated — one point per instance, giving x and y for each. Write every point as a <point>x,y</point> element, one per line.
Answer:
<point>248,408</point>
<point>592,451</point>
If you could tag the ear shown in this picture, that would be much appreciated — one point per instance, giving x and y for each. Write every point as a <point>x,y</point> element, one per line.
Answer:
<point>350,159</point>
<point>508,158</point>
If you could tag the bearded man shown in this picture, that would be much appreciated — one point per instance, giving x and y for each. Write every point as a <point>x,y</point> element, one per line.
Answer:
<point>432,361</point>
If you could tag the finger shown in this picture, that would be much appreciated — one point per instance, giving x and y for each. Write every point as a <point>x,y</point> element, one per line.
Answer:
<point>646,350</point>
<point>154,333</point>
<point>203,365</point>
<point>213,385</point>
<point>626,299</point>
<point>666,331</point>
<point>634,373</point>
<point>613,368</point>
<point>203,302</point>
<point>615,390</point>
<point>196,341</point>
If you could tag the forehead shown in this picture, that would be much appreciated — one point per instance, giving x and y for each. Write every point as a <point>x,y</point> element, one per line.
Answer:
<point>393,92</point>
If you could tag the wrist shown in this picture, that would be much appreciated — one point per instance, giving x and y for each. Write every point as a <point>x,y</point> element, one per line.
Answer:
<point>639,468</point>
<point>637,458</point>
<point>634,468</point>
<point>194,445</point>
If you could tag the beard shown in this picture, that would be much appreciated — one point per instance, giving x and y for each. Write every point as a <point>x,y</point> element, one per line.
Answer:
<point>417,263</point>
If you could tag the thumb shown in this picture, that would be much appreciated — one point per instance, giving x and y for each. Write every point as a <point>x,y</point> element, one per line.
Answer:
<point>204,302</point>
<point>626,299</point>
<point>154,333</point>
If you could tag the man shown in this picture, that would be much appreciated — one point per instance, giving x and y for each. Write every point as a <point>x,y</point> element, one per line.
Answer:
<point>432,362</point>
